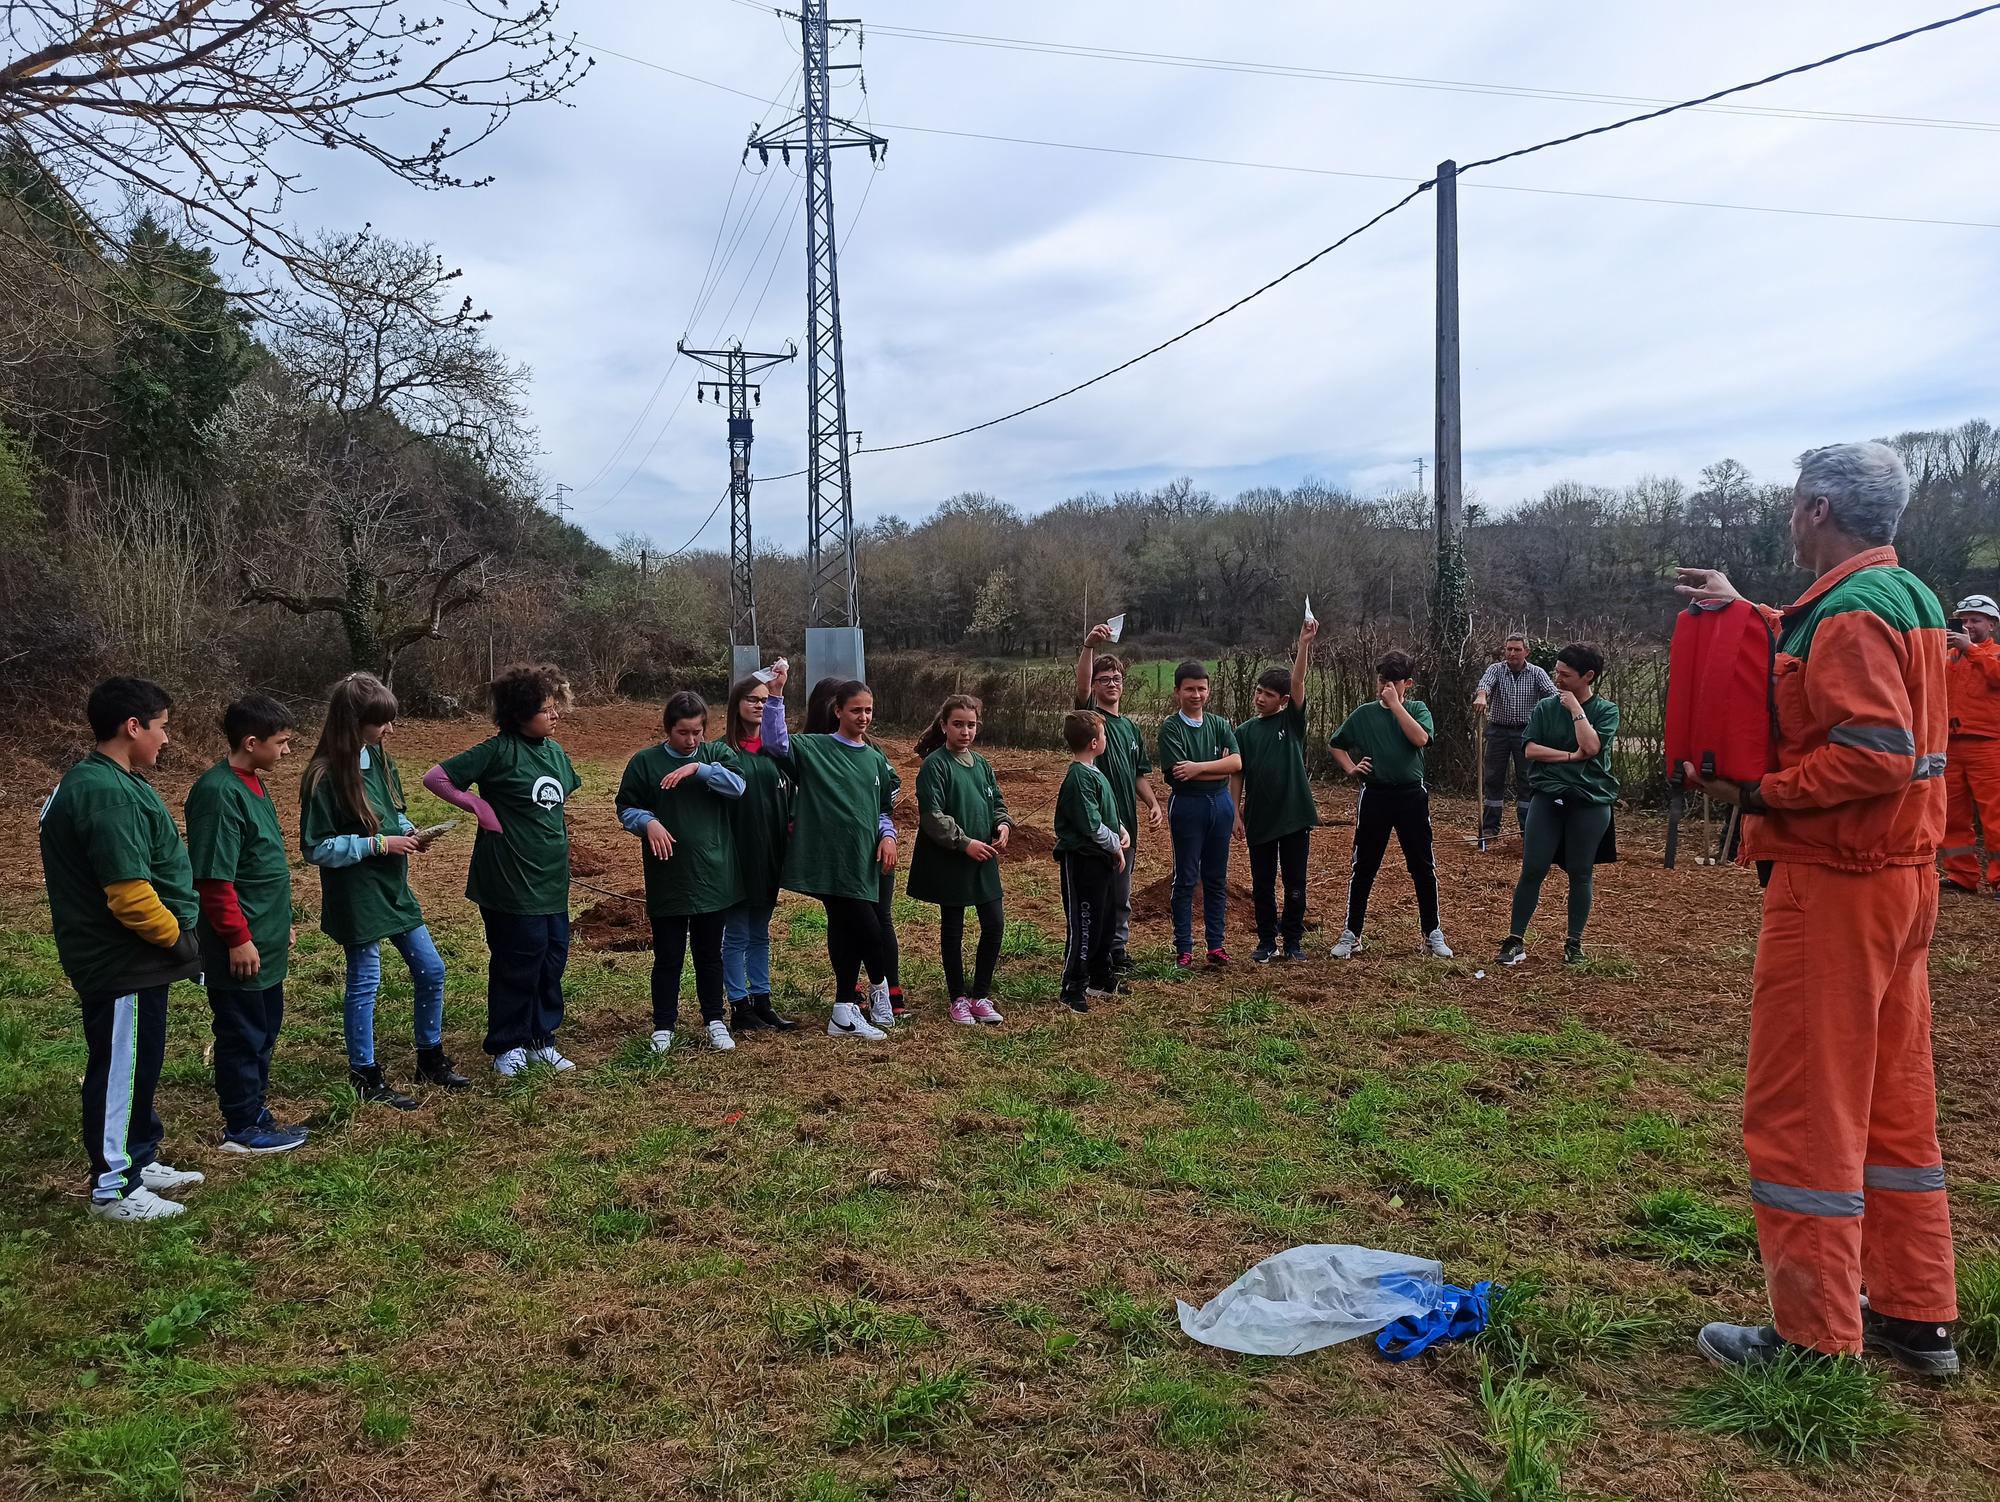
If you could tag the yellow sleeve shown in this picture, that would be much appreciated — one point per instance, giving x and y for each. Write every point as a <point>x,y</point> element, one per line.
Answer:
<point>136,905</point>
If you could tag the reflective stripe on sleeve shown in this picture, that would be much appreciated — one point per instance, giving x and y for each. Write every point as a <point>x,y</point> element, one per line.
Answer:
<point>1891,740</point>
<point>1928,767</point>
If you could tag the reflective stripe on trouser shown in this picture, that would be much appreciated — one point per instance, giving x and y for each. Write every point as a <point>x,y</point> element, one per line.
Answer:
<point>1972,810</point>
<point>1840,1104</point>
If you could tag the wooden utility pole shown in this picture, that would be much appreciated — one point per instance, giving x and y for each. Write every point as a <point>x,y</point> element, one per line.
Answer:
<point>1451,605</point>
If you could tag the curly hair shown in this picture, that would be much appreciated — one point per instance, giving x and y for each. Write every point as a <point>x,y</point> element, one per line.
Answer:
<point>522,688</point>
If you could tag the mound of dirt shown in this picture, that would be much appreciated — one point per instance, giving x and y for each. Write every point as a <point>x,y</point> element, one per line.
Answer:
<point>614,924</point>
<point>1029,842</point>
<point>1154,902</point>
<point>587,860</point>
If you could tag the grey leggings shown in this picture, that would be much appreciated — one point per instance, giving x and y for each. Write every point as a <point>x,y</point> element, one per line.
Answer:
<point>1580,827</point>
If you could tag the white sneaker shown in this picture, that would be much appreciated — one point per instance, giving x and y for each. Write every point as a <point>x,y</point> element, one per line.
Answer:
<point>140,1204</point>
<point>880,1011</point>
<point>663,1039</point>
<point>511,1063</point>
<point>548,1055</point>
<point>1434,941</point>
<point>159,1177</point>
<point>718,1036</point>
<point>847,1022</point>
<point>1347,945</point>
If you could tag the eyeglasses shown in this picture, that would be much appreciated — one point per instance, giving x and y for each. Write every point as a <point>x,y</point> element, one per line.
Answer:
<point>1108,678</point>
<point>759,703</point>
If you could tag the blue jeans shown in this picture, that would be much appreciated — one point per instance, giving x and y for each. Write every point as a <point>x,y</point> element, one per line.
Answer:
<point>1201,824</point>
<point>364,981</point>
<point>746,950</point>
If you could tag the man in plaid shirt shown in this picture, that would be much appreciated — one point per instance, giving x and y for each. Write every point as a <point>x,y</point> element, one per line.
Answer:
<point>1508,694</point>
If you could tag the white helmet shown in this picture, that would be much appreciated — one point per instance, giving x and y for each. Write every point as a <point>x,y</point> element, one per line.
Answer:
<point>1978,605</point>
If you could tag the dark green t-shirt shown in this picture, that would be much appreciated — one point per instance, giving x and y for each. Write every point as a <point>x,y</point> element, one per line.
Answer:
<point>1212,739</point>
<point>103,825</point>
<point>1277,795</point>
<point>234,836</point>
<point>702,875</point>
<point>970,797</point>
<point>524,868</point>
<point>1373,731</point>
<point>761,824</point>
<point>1123,762</point>
<point>1587,781</point>
<point>371,900</point>
<point>1084,803</point>
<point>841,793</point>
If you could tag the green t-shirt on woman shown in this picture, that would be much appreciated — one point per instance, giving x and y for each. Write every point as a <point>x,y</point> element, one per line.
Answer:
<point>1586,781</point>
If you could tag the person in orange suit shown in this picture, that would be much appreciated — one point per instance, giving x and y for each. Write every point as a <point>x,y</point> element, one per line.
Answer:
<point>1840,1100</point>
<point>1972,761</point>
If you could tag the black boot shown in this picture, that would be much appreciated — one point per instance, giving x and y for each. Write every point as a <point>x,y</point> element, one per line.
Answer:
<point>370,1086</point>
<point>769,1016</point>
<point>433,1068</point>
<point>742,1018</point>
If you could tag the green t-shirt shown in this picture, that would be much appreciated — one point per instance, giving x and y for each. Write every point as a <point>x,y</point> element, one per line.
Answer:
<point>760,824</point>
<point>370,900</point>
<point>234,836</point>
<point>1277,795</point>
<point>1123,762</point>
<point>1211,740</point>
<point>969,796</point>
<point>524,868</point>
<point>102,825</point>
<point>702,875</point>
<point>842,792</point>
<point>1587,781</point>
<point>1373,731</point>
<point>1084,803</point>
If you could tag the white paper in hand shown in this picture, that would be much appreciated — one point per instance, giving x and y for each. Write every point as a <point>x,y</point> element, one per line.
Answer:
<point>1117,625</point>
<point>1309,608</point>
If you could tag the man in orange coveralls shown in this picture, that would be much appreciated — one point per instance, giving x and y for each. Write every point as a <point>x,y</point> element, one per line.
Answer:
<point>1972,766</point>
<point>1840,1102</point>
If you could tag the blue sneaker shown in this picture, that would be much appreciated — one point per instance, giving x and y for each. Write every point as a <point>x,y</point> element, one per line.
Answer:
<point>263,1138</point>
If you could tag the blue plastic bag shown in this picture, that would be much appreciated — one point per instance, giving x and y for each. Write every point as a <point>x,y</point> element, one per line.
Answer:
<point>1456,1314</point>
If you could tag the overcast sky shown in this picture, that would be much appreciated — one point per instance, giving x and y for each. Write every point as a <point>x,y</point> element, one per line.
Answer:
<point>1602,339</point>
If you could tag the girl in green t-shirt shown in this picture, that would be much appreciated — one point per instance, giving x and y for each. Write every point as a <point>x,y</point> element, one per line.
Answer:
<point>762,828</point>
<point>1569,769</point>
<point>886,975</point>
<point>353,827</point>
<point>962,828</point>
<point>519,877</point>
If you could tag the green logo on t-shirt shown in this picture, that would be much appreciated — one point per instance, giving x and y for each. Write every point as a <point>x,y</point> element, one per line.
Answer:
<point>546,793</point>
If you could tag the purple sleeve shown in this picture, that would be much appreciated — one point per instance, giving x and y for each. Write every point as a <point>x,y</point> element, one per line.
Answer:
<point>777,739</point>
<point>437,782</point>
<point>885,827</point>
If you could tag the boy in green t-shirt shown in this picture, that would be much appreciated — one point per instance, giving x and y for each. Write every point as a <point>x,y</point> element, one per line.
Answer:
<point>243,871</point>
<point>1275,812</point>
<point>1382,743</point>
<point>1100,686</point>
<point>1090,850</point>
<point>122,905</point>
<point>1198,755</point>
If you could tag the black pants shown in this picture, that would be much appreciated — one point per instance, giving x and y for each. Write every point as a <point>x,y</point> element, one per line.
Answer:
<point>1505,746</point>
<point>853,942</point>
<point>527,953</point>
<point>246,1027</point>
<point>890,966</point>
<point>1287,854</point>
<point>951,948</point>
<point>671,939</point>
<point>124,1039</point>
<point>1407,811</point>
<point>1086,898</point>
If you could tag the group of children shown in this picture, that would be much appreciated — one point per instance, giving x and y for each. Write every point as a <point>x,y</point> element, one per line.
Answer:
<point>723,825</point>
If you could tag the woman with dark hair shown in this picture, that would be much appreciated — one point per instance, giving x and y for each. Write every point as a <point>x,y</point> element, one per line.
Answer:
<point>519,877</point>
<point>761,828</point>
<point>843,842</point>
<point>676,797</point>
<point>962,828</point>
<point>1569,771</point>
<point>352,825</point>
<point>885,975</point>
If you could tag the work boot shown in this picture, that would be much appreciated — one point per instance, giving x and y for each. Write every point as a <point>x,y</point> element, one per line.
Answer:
<point>370,1086</point>
<point>742,1017</point>
<point>433,1068</point>
<point>768,1015</point>
<point>1919,1346</point>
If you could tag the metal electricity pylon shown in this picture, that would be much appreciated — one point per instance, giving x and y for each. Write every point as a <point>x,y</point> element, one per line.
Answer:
<point>833,611</point>
<point>736,365</point>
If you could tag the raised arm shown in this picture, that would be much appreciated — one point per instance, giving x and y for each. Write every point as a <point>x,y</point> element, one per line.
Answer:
<point>1086,661</point>
<point>1302,662</point>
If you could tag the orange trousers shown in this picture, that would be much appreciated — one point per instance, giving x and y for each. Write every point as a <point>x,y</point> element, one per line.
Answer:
<point>1972,789</point>
<point>1840,1104</point>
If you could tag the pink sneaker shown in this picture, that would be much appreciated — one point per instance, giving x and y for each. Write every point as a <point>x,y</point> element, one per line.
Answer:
<point>1186,962</point>
<point>985,1011</point>
<point>962,1013</point>
<point>1218,957</point>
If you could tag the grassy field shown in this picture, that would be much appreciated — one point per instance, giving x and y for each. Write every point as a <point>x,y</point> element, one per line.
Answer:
<point>945,1266</point>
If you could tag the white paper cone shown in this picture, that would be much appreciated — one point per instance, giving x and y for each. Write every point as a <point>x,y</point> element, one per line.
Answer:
<point>1309,607</point>
<point>1117,625</point>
